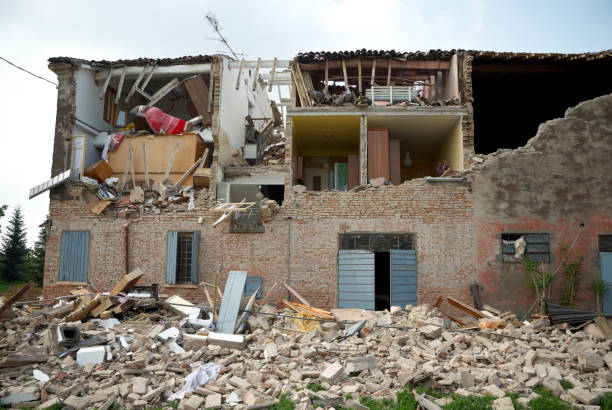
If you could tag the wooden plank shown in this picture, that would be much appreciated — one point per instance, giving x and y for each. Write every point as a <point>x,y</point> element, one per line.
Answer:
<point>187,173</point>
<point>326,76</point>
<point>106,83</point>
<point>373,73</point>
<point>438,301</point>
<point>465,308</point>
<point>171,161</point>
<point>96,206</point>
<point>11,301</point>
<point>394,162</point>
<point>146,81</point>
<point>359,75</point>
<point>127,282</point>
<point>346,85</point>
<point>162,92</point>
<point>131,160</point>
<point>265,297</point>
<point>378,153</point>
<point>135,86</point>
<point>256,74</point>
<point>198,92</point>
<point>121,80</point>
<point>146,164</point>
<point>211,87</point>
<point>296,294</point>
<point>228,312</point>
<point>239,74</point>
<point>272,75</point>
<point>245,315</point>
<point>353,171</point>
<point>418,65</point>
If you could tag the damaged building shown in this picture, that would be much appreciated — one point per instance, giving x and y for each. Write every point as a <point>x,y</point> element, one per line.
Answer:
<point>380,178</point>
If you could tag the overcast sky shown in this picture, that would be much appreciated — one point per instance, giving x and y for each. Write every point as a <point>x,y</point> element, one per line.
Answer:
<point>32,31</point>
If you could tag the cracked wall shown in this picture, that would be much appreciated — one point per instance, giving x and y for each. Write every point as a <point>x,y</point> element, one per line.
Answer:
<point>561,179</point>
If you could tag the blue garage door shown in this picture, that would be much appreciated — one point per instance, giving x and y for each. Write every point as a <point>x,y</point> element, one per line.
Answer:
<point>403,277</point>
<point>356,279</point>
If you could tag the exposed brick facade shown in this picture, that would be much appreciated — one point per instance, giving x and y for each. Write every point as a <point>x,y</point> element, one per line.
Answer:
<point>439,217</point>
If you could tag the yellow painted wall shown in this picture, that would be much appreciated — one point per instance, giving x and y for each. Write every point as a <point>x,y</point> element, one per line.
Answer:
<point>451,149</point>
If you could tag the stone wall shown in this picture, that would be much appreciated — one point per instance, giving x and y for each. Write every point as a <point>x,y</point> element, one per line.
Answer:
<point>559,181</point>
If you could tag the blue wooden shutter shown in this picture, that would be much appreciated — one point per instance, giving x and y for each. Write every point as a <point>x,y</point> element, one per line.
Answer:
<point>195,247</point>
<point>356,279</point>
<point>74,256</point>
<point>403,277</point>
<point>171,258</point>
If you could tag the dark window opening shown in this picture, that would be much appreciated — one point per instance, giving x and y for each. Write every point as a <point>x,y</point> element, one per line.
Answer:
<point>274,192</point>
<point>517,247</point>
<point>379,242</point>
<point>382,280</point>
<point>511,100</point>
<point>316,183</point>
<point>183,257</point>
<point>605,243</point>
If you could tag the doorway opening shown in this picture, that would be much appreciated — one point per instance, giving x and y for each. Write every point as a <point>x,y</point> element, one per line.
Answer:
<point>382,280</point>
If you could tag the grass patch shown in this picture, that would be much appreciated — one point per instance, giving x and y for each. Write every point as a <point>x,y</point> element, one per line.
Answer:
<point>348,396</point>
<point>284,403</point>
<point>514,397</point>
<point>547,401</point>
<point>566,384</point>
<point>606,401</point>
<point>470,403</point>
<point>315,387</point>
<point>405,401</point>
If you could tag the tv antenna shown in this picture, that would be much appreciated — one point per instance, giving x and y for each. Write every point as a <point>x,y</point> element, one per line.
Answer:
<point>214,23</point>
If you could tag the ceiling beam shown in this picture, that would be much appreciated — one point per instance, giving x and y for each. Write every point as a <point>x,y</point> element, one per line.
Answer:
<point>381,63</point>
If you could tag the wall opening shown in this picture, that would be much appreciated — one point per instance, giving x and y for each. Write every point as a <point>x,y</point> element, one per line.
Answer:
<point>382,280</point>
<point>404,147</point>
<point>274,192</point>
<point>326,151</point>
<point>511,100</point>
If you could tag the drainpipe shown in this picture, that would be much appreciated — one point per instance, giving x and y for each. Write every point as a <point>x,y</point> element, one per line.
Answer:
<point>125,243</point>
<point>288,254</point>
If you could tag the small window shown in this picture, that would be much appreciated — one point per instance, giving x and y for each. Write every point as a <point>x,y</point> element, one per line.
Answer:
<point>182,257</point>
<point>114,113</point>
<point>519,246</point>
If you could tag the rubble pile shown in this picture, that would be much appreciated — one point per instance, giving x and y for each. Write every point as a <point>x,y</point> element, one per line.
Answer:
<point>161,351</point>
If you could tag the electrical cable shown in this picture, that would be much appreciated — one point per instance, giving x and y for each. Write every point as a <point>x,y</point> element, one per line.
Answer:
<point>29,72</point>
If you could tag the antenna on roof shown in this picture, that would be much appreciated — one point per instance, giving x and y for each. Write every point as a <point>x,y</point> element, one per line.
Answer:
<point>214,23</point>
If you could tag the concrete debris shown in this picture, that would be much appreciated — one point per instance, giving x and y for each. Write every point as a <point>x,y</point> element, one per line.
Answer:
<point>154,355</point>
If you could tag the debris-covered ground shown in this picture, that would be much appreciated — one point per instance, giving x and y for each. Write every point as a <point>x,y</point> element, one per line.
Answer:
<point>163,353</point>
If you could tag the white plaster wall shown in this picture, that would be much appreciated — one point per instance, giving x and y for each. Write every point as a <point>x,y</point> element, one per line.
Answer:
<point>89,109</point>
<point>234,104</point>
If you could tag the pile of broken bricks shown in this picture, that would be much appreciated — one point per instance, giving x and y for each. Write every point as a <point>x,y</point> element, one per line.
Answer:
<point>145,360</point>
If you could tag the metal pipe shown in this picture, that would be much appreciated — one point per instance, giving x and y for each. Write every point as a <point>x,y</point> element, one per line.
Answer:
<point>288,254</point>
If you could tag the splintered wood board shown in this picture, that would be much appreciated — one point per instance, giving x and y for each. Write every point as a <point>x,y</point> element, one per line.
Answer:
<point>159,148</point>
<point>97,205</point>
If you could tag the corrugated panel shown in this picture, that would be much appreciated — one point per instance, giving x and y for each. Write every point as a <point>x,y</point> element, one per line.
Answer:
<point>74,256</point>
<point>403,277</point>
<point>356,279</point>
<point>195,248</point>
<point>171,258</point>
<point>228,312</point>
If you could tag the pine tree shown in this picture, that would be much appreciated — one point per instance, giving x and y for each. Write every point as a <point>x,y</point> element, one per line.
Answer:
<point>14,248</point>
<point>37,256</point>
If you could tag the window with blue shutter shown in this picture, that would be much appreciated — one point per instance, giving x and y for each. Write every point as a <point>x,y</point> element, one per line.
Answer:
<point>182,257</point>
<point>74,256</point>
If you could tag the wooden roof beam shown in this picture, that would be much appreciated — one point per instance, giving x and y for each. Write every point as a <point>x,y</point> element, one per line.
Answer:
<point>381,63</point>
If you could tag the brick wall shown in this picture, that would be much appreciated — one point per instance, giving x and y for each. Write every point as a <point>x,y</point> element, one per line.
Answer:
<point>559,181</point>
<point>438,216</point>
